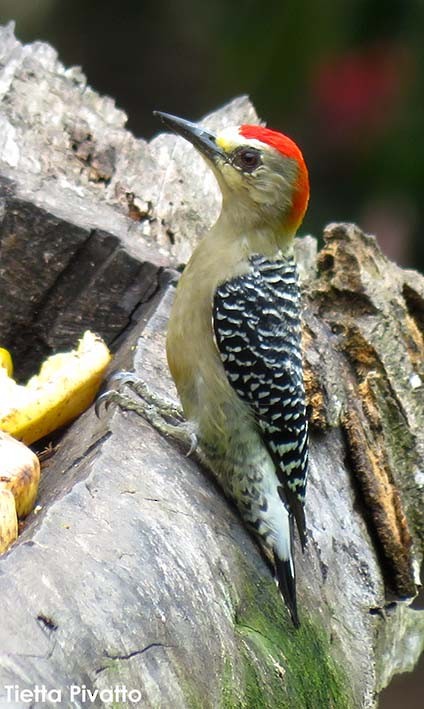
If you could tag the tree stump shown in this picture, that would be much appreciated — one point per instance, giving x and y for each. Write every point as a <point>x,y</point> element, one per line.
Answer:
<point>134,571</point>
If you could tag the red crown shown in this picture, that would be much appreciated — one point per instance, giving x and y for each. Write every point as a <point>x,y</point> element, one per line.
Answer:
<point>289,149</point>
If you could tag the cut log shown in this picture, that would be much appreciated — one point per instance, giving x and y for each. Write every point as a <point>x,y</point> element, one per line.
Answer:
<point>134,570</point>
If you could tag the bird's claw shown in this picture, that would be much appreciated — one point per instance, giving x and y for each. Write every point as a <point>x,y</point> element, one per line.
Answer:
<point>123,376</point>
<point>165,417</point>
<point>108,397</point>
<point>105,400</point>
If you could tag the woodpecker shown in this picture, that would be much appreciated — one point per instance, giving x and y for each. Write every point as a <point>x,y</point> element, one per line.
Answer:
<point>234,335</point>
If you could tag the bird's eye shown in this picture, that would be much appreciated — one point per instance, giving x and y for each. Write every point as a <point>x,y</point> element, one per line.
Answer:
<point>246,159</point>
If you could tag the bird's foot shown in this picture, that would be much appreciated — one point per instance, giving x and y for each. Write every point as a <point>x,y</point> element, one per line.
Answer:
<point>167,418</point>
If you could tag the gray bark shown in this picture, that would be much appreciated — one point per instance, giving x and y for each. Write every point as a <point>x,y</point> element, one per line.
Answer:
<point>135,570</point>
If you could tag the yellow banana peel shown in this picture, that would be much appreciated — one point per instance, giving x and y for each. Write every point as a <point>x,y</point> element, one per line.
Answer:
<point>66,385</point>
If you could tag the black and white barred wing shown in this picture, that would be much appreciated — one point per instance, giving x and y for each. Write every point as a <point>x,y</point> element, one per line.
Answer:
<point>257,329</point>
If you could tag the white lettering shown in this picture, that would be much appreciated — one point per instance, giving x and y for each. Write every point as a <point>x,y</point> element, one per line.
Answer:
<point>55,696</point>
<point>10,690</point>
<point>26,695</point>
<point>120,693</point>
<point>86,695</point>
<point>92,695</point>
<point>39,693</point>
<point>107,695</point>
<point>134,695</point>
<point>74,691</point>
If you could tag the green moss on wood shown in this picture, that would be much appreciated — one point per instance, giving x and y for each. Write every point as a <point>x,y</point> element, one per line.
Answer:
<point>281,667</point>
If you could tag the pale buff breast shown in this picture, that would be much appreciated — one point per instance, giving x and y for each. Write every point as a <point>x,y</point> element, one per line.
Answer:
<point>193,357</point>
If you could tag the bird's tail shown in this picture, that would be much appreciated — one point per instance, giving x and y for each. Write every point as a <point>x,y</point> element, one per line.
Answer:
<point>285,575</point>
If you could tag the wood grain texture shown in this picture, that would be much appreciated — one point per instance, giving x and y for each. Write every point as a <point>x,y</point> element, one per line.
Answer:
<point>136,570</point>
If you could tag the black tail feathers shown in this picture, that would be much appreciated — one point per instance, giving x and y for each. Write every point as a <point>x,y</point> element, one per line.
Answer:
<point>286,579</point>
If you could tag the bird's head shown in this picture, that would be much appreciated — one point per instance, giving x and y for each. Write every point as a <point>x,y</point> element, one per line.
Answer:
<point>261,172</point>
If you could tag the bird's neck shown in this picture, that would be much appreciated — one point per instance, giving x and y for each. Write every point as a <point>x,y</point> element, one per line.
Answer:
<point>255,237</point>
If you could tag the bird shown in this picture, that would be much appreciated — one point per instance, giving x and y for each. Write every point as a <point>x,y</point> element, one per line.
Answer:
<point>234,335</point>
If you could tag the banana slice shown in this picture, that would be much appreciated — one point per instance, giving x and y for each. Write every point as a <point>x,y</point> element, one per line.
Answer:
<point>6,361</point>
<point>8,520</point>
<point>19,478</point>
<point>66,385</point>
<point>19,473</point>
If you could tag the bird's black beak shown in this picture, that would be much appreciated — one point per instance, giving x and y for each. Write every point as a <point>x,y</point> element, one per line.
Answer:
<point>202,140</point>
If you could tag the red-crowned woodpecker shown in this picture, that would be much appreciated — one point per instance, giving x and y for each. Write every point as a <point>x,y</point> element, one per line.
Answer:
<point>234,335</point>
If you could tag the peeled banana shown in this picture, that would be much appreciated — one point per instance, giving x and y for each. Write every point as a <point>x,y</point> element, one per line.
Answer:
<point>66,385</point>
<point>64,388</point>
<point>6,361</point>
<point>19,478</point>
<point>8,520</point>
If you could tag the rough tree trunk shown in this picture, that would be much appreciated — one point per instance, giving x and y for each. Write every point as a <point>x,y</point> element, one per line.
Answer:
<point>136,571</point>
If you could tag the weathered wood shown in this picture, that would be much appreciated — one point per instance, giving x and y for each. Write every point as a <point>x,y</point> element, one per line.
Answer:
<point>86,208</point>
<point>135,570</point>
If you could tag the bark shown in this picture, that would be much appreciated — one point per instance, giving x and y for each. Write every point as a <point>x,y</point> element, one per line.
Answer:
<point>135,570</point>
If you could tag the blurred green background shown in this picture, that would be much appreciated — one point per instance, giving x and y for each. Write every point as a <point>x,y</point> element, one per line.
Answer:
<point>344,79</point>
